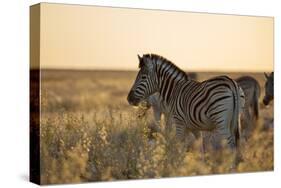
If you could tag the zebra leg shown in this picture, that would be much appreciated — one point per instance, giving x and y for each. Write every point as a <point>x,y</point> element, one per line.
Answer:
<point>201,136</point>
<point>155,126</point>
<point>229,139</point>
<point>168,122</point>
<point>226,135</point>
<point>180,131</point>
<point>227,129</point>
<point>246,123</point>
<point>157,116</point>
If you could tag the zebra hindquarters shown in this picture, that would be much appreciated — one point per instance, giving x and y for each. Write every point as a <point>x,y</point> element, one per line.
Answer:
<point>221,116</point>
<point>225,116</point>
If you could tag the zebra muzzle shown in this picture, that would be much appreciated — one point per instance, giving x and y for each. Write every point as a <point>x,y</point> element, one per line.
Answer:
<point>266,100</point>
<point>132,100</point>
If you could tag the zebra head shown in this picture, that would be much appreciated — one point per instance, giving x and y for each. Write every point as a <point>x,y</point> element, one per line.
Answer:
<point>268,89</point>
<point>145,83</point>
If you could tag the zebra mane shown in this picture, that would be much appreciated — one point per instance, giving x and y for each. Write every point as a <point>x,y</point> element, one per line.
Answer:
<point>160,60</point>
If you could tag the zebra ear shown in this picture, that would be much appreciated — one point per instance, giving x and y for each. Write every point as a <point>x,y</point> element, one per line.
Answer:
<point>266,76</point>
<point>148,63</point>
<point>139,57</point>
<point>140,61</point>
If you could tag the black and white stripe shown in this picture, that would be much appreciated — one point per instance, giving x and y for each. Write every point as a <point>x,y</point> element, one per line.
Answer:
<point>212,105</point>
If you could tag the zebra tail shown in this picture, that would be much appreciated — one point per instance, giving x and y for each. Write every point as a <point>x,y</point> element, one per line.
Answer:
<point>239,104</point>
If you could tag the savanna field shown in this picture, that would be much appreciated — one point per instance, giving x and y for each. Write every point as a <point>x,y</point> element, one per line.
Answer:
<point>89,132</point>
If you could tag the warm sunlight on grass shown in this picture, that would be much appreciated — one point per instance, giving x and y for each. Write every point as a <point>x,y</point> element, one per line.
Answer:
<point>90,133</point>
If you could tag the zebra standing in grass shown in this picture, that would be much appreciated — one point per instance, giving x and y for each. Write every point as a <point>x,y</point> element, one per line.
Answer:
<point>269,88</point>
<point>250,113</point>
<point>212,105</point>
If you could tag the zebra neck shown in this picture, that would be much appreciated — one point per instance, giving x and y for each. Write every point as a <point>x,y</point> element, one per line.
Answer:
<point>168,76</point>
<point>168,88</point>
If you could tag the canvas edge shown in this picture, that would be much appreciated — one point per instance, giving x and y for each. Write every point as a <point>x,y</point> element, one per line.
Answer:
<point>34,95</point>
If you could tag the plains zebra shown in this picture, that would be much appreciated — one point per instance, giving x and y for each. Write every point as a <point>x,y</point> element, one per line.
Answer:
<point>212,105</point>
<point>269,88</point>
<point>250,113</point>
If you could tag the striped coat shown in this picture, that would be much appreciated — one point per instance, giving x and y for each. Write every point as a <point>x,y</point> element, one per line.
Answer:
<point>213,105</point>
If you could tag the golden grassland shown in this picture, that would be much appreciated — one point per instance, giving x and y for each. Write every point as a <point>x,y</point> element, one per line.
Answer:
<point>90,133</point>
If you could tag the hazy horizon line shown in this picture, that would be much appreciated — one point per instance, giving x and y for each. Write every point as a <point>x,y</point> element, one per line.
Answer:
<point>135,70</point>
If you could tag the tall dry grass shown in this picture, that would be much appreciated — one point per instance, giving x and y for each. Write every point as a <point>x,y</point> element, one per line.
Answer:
<point>89,133</point>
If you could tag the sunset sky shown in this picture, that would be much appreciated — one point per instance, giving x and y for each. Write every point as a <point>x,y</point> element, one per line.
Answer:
<point>89,37</point>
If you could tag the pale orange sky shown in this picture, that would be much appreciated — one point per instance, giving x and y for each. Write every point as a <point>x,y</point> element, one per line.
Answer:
<point>83,37</point>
